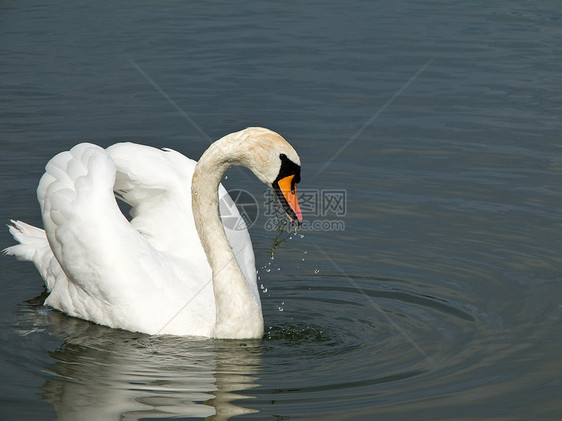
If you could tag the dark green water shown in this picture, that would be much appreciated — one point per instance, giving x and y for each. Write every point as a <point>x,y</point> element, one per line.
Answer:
<point>427,286</point>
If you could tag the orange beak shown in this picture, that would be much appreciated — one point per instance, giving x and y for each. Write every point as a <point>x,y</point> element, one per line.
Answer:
<point>289,191</point>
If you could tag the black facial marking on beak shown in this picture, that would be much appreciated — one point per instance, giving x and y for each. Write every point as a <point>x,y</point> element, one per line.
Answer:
<point>288,167</point>
<point>285,187</point>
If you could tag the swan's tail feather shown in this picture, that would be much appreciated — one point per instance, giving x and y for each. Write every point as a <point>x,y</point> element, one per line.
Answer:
<point>31,241</point>
<point>34,247</point>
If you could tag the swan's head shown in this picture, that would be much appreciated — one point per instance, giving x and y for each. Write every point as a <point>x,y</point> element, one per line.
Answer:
<point>274,161</point>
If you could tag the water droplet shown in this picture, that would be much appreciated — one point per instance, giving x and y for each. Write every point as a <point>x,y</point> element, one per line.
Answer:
<point>317,270</point>
<point>43,311</point>
<point>301,235</point>
<point>306,252</point>
<point>265,290</point>
<point>268,270</point>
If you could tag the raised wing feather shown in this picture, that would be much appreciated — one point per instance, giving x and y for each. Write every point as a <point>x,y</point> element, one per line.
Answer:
<point>94,243</point>
<point>157,185</point>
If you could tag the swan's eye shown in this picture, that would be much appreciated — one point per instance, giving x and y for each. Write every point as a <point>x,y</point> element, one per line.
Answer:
<point>287,168</point>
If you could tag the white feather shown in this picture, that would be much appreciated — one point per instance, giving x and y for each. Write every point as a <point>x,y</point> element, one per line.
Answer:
<point>151,274</point>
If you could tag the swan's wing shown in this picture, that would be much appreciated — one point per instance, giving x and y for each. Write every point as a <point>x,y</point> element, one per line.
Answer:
<point>156,184</point>
<point>111,269</point>
<point>146,172</point>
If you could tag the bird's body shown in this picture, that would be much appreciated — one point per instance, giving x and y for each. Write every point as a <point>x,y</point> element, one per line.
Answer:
<point>171,269</point>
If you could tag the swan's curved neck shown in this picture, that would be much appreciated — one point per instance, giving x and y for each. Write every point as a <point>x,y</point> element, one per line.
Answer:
<point>238,314</point>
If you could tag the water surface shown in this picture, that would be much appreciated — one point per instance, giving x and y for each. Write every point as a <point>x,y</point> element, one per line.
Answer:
<point>440,298</point>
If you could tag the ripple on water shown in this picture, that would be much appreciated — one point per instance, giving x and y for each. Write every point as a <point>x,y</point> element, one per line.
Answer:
<point>374,332</point>
<point>343,343</point>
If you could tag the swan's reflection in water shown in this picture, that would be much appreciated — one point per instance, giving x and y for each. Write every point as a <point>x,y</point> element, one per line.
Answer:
<point>105,374</point>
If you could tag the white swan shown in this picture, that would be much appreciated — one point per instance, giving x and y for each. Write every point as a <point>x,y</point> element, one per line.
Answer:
<point>171,269</point>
